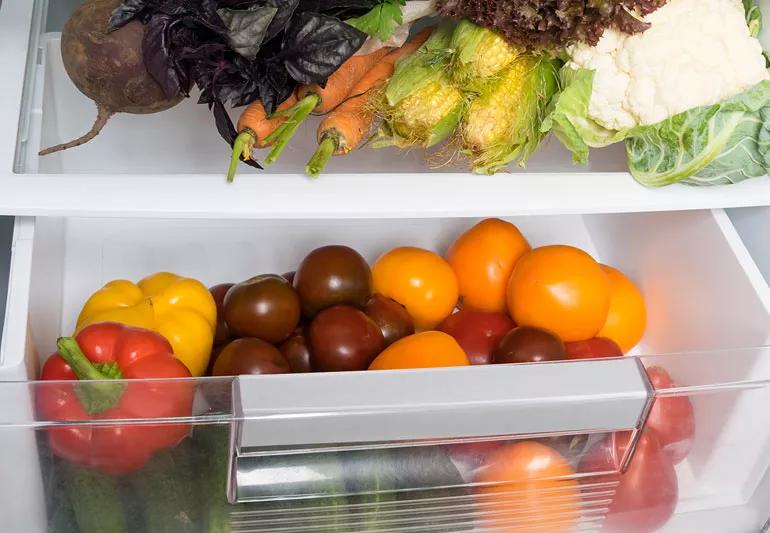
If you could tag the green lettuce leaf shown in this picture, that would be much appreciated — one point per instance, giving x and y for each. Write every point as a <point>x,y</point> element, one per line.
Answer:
<point>567,116</point>
<point>720,144</point>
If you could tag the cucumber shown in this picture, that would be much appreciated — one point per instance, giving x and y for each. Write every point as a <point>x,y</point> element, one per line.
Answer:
<point>61,517</point>
<point>211,443</point>
<point>96,500</point>
<point>164,491</point>
<point>329,509</point>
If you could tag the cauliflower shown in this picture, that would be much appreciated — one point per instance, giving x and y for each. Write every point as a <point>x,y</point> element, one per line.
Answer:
<point>695,53</point>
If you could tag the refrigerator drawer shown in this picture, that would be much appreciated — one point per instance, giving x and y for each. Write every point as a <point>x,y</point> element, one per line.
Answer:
<point>173,163</point>
<point>400,451</point>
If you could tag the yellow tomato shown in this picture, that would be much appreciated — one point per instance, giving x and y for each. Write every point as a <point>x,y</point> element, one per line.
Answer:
<point>561,289</point>
<point>483,258</point>
<point>419,280</point>
<point>627,317</point>
<point>422,350</point>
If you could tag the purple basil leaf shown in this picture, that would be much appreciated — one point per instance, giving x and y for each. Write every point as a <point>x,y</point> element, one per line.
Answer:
<point>223,121</point>
<point>275,84</point>
<point>247,28</point>
<point>156,48</point>
<point>315,46</point>
<point>342,9</point>
<point>286,9</point>
<point>128,11</point>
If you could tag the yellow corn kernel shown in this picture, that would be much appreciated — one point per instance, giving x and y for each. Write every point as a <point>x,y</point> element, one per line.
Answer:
<point>491,116</point>
<point>421,111</point>
<point>494,54</point>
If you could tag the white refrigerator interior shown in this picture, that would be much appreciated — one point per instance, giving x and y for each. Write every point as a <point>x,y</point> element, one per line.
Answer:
<point>148,195</point>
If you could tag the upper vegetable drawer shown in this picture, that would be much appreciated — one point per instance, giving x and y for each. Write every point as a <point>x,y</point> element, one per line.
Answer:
<point>174,163</point>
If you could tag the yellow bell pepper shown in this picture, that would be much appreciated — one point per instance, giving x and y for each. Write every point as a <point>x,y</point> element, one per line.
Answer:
<point>180,309</point>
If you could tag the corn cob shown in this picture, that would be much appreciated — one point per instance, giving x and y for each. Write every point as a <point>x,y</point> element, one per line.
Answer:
<point>503,123</point>
<point>479,54</point>
<point>418,118</point>
<point>421,106</point>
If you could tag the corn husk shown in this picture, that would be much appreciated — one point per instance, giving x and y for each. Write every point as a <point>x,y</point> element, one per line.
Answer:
<point>479,56</point>
<point>502,124</point>
<point>421,106</point>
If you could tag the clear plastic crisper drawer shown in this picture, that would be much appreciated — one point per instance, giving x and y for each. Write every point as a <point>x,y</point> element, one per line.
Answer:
<point>546,447</point>
<point>218,475</point>
<point>173,163</point>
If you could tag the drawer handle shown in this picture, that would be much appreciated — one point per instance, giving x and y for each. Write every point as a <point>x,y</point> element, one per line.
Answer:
<point>317,413</point>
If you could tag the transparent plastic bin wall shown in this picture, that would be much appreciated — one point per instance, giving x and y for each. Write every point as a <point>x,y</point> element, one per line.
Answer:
<point>453,482</point>
<point>703,291</point>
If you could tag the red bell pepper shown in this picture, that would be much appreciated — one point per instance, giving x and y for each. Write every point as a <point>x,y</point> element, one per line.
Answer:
<point>106,352</point>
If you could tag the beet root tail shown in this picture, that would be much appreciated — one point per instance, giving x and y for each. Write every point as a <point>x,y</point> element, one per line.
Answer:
<point>102,117</point>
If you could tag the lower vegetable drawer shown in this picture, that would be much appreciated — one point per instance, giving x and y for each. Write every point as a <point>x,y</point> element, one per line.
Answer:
<point>660,439</point>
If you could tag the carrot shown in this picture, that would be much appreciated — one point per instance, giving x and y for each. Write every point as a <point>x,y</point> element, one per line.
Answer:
<point>254,127</point>
<point>345,128</point>
<point>321,99</point>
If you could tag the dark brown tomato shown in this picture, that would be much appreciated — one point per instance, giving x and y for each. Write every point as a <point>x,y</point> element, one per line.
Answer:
<point>215,351</point>
<point>343,338</point>
<point>394,320</point>
<point>265,307</point>
<point>218,292</point>
<point>526,344</point>
<point>296,350</point>
<point>333,275</point>
<point>250,356</point>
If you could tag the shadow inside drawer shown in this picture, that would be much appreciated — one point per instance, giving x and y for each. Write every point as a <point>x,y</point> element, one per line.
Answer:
<point>6,235</point>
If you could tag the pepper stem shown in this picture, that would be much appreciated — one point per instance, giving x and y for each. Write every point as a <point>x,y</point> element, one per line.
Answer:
<point>242,145</point>
<point>323,153</point>
<point>98,396</point>
<point>286,131</point>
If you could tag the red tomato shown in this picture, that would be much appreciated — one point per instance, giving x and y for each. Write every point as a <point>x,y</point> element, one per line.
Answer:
<point>672,418</point>
<point>477,332</point>
<point>595,348</point>
<point>647,492</point>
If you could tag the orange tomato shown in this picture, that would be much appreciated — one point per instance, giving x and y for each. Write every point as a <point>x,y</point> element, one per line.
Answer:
<point>429,349</point>
<point>529,487</point>
<point>419,280</point>
<point>627,317</point>
<point>483,258</point>
<point>561,289</point>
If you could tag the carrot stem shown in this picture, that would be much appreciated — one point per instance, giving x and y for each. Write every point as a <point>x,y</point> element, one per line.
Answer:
<point>323,153</point>
<point>241,145</point>
<point>286,131</point>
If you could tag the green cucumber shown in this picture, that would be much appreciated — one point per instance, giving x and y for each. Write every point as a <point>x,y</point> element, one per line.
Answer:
<point>163,489</point>
<point>61,517</point>
<point>96,500</point>
<point>329,508</point>
<point>211,444</point>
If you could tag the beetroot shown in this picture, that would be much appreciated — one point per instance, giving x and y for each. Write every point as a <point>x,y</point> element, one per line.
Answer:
<point>108,66</point>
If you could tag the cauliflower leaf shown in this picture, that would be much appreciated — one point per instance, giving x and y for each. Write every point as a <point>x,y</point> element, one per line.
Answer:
<point>720,144</point>
<point>567,116</point>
